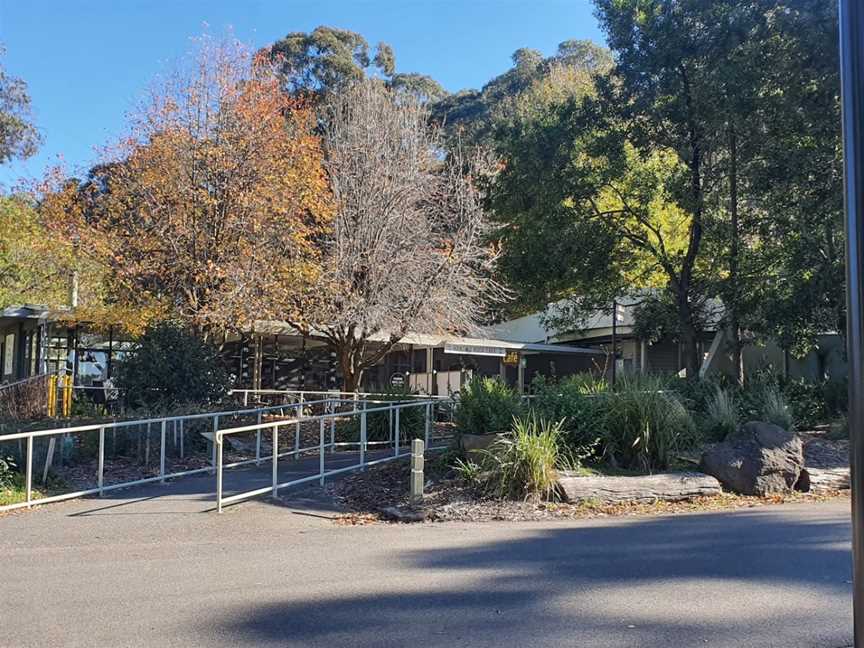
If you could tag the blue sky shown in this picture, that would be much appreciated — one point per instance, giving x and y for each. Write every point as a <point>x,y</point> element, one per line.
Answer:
<point>86,62</point>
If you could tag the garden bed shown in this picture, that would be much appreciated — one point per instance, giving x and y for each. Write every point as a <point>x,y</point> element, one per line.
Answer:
<point>366,495</point>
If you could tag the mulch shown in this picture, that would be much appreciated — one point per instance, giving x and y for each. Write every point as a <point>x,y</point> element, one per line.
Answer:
<point>366,495</point>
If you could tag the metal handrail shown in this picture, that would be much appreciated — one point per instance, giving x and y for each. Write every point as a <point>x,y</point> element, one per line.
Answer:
<point>394,408</point>
<point>304,392</point>
<point>29,436</point>
<point>329,403</point>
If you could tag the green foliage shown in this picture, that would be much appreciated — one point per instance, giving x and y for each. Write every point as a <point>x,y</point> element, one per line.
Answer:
<point>524,464</point>
<point>721,415</point>
<point>412,420</point>
<point>171,365</point>
<point>469,471</point>
<point>807,402</point>
<point>645,424</point>
<point>774,408</point>
<point>486,406</point>
<point>327,59</point>
<point>574,402</point>
<point>8,471</point>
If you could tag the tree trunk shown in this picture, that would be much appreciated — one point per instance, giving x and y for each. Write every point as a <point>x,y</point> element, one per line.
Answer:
<point>349,355</point>
<point>733,292</point>
<point>688,336</point>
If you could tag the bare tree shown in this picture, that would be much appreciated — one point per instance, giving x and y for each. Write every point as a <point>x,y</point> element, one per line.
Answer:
<point>409,249</point>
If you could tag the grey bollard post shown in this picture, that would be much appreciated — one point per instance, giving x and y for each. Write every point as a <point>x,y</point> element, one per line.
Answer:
<point>417,448</point>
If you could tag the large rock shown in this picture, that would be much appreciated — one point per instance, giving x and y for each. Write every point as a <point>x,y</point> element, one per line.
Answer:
<point>758,459</point>
<point>643,488</point>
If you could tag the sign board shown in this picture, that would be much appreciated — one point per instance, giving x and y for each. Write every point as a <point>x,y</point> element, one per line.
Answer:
<point>397,380</point>
<point>475,349</point>
<point>512,358</point>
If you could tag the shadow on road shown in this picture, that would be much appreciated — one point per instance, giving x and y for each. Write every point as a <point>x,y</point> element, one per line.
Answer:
<point>734,579</point>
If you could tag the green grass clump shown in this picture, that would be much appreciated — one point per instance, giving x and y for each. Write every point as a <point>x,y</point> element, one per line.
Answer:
<point>721,415</point>
<point>525,463</point>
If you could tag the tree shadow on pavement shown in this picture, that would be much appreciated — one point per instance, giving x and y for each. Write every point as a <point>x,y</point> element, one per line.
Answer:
<point>734,579</point>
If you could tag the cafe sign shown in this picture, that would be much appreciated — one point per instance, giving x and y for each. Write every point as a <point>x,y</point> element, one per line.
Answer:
<point>475,349</point>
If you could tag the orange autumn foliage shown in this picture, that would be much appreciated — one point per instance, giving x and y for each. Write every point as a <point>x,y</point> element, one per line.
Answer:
<point>212,206</point>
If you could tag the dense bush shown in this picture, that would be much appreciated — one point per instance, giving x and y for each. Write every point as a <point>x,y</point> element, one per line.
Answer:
<point>807,402</point>
<point>644,424</point>
<point>171,365</point>
<point>637,425</point>
<point>486,406</point>
<point>574,402</point>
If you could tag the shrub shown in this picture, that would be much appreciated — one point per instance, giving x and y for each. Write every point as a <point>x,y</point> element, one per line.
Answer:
<point>412,420</point>
<point>774,408</point>
<point>486,406</point>
<point>839,429</point>
<point>721,415</point>
<point>643,424</point>
<point>171,365</point>
<point>524,464</point>
<point>807,402</point>
<point>835,394</point>
<point>575,402</point>
<point>8,472</point>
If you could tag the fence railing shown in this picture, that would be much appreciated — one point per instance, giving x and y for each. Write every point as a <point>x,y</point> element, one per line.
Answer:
<point>293,395</point>
<point>177,428</point>
<point>349,416</point>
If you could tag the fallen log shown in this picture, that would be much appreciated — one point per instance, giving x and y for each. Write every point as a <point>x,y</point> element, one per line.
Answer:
<point>671,487</point>
<point>828,479</point>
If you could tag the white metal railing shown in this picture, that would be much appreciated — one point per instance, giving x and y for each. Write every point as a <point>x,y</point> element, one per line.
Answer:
<point>177,422</point>
<point>360,410</point>
<point>301,394</point>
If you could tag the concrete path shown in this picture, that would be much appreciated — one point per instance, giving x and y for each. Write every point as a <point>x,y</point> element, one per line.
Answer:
<point>153,567</point>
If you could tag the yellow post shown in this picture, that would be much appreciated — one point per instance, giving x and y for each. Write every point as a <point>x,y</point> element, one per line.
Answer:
<point>67,396</point>
<point>52,395</point>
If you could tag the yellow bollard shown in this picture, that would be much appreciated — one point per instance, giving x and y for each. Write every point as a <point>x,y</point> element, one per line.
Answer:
<point>67,396</point>
<point>52,396</point>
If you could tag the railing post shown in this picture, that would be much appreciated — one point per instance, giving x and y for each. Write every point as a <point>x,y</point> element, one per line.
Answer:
<point>258,441</point>
<point>29,471</point>
<point>217,443</point>
<point>162,452</point>
<point>297,431</point>
<point>333,427</point>
<point>275,472</point>
<point>390,424</point>
<point>321,452</point>
<point>363,438</point>
<point>428,424</point>
<point>245,398</point>
<point>181,439</point>
<point>215,429</point>
<point>397,431</point>
<point>101,476</point>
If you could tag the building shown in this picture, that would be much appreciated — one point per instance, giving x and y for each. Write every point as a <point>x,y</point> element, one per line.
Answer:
<point>635,355</point>
<point>278,357</point>
<point>36,340</point>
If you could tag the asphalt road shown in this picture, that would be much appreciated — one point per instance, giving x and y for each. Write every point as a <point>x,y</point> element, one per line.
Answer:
<point>157,567</point>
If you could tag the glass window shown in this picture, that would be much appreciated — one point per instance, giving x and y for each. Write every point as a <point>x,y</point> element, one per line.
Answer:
<point>9,354</point>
